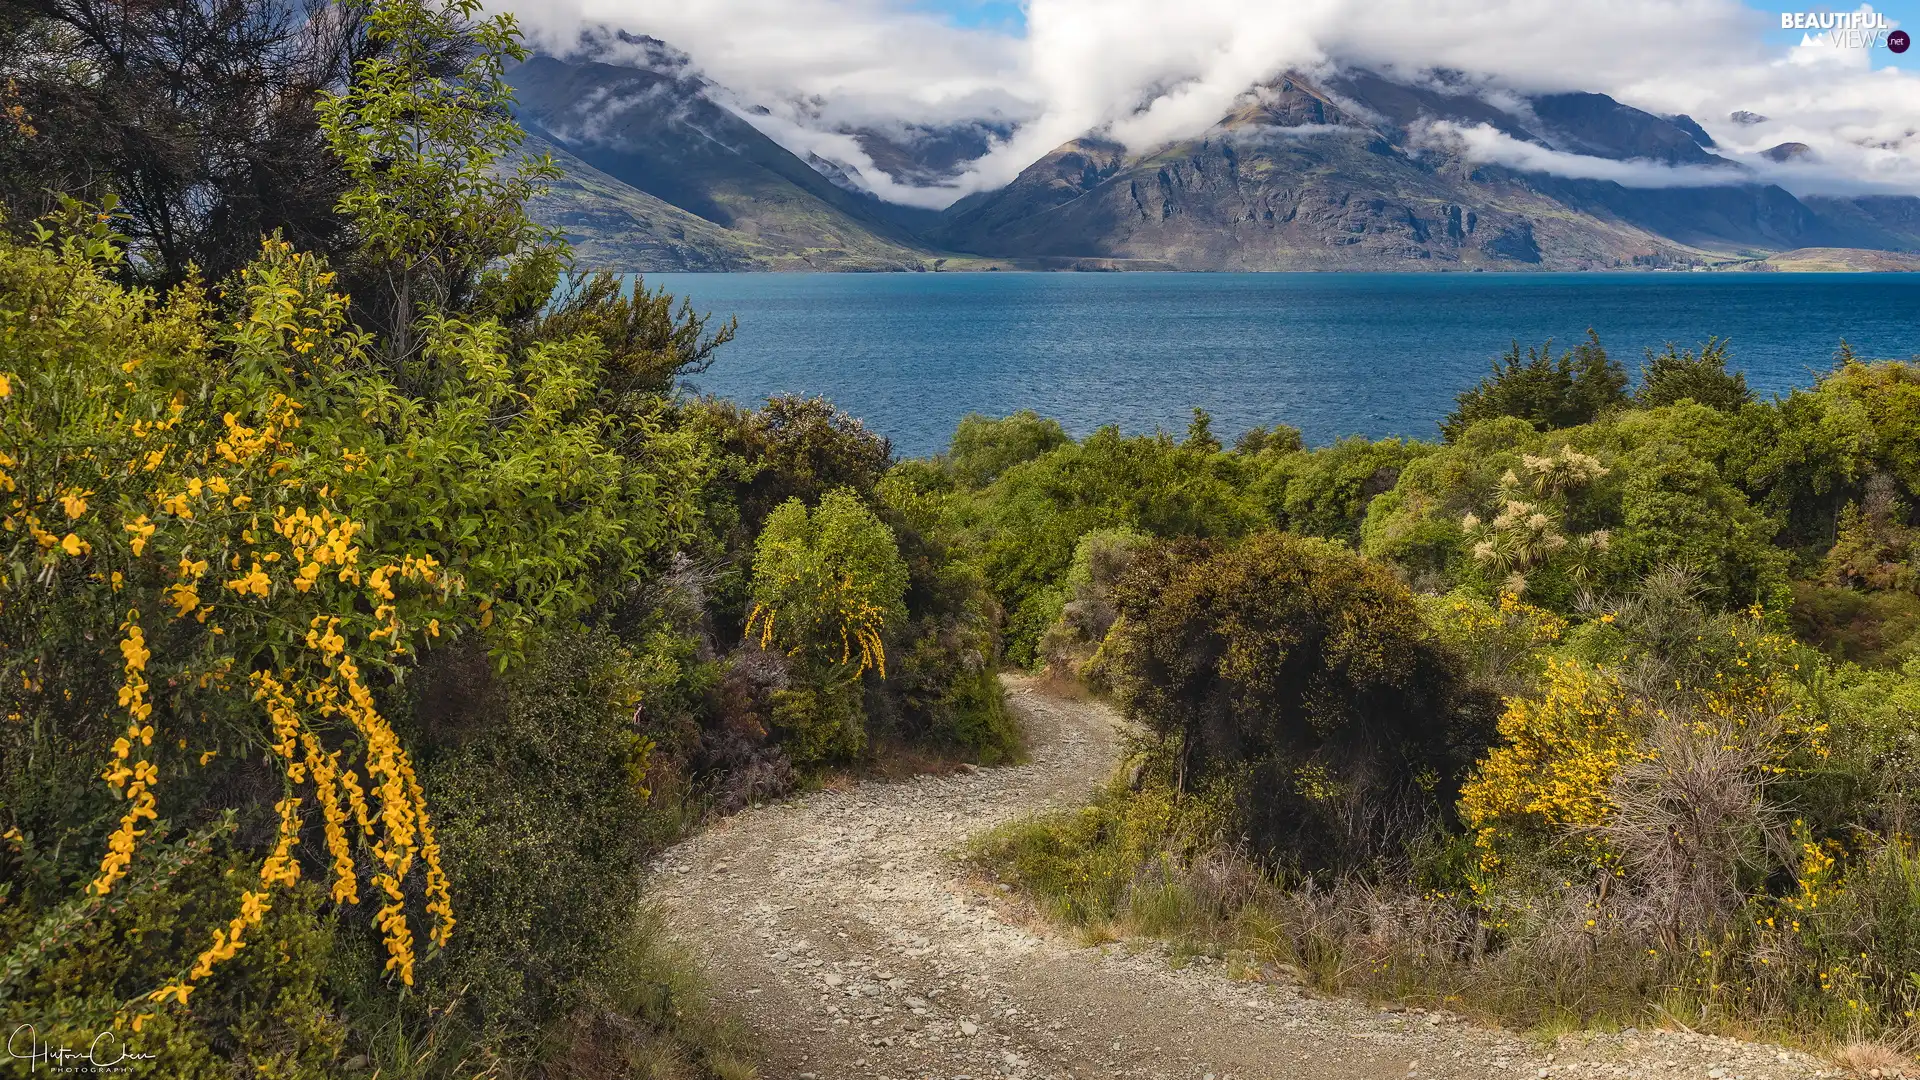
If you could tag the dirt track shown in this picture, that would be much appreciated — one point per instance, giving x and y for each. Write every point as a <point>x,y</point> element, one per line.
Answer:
<point>840,928</point>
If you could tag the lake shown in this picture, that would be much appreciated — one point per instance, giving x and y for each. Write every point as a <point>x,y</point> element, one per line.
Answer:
<point>1331,354</point>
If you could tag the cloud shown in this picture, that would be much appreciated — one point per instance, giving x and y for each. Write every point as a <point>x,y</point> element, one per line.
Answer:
<point>846,151</point>
<point>1145,71</point>
<point>1484,144</point>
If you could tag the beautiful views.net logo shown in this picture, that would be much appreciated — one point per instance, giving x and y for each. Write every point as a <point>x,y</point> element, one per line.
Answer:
<point>1847,29</point>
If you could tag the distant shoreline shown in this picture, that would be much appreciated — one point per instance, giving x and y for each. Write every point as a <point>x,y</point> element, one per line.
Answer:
<point>1796,261</point>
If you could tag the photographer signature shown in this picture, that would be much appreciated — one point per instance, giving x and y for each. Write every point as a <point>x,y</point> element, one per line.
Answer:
<point>103,1054</point>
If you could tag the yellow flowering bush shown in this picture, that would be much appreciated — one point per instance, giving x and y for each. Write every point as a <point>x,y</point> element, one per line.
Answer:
<point>211,508</point>
<point>1557,756</point>
<point>1503,640</point>
<point>1551,776</point>
<point>162,502</point>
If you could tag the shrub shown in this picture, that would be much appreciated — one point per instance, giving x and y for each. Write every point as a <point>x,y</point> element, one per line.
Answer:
<point>1303,677</point>
<point>260,531</point>
<point>1326,492</point>
<point>551,774</point>
<point>1278,439</point>
<point>1030,521</point>
<point>791,448</point>
<point>828,585</point>
<point>1550,777</point>
<point>1094,864</point>
<point>1087,610</point>
<point>75,960</point>
<point>1503,642</point>
<point>984,448</point>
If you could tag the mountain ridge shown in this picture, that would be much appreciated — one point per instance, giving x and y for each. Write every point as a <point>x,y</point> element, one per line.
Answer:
<point>1342,171</point>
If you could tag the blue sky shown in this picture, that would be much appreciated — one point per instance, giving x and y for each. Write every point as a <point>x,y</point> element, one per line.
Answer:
<point>1007,17</point>
<point>1002,15</point>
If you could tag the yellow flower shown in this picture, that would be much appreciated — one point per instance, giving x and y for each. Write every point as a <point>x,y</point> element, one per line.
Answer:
<point>142,531</point>
<point>254,581</point>
<point>184,599</point>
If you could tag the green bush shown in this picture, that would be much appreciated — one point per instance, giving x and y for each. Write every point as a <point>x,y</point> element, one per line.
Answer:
<point>544,798</point>
<point>1072,645</point>
<point>1024,528</point>
<point>1579,387</point>
<point>70,967</point>
<point>1112,859</point>
<point>1326,492</point>
<point>1305,679</point>
<point>1680,375</point>
<point>828,588</point>
<point>983,449</point>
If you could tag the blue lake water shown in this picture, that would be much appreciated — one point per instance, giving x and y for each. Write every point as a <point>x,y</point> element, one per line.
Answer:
<point>1331,354</point>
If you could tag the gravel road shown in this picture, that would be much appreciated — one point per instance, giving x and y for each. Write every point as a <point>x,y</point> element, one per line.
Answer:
<point>840,927</point>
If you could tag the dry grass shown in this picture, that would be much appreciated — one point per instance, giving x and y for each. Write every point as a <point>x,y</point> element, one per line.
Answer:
<point>1873,1059</point>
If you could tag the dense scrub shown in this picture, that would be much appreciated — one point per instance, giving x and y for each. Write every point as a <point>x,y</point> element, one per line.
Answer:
<point>359,648</point>
<point>371,610</point>
<point>1598,710</point>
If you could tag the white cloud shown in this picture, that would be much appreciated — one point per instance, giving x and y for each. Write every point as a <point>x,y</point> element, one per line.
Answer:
<point>1146,71</point>
<point>846,150</point>
<point>1486,145</point>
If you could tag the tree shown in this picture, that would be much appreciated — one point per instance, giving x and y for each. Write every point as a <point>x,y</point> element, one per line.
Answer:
<point>196,116</point>
<point>1279,439</point>
<point>650,343</point>
<point>1677,375</point>
<point>1200,433</point>
<point>1582,385</point>
<point>435,188</point>
<point>1301,678</point>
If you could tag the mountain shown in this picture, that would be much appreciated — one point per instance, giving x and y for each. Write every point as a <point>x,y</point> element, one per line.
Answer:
<point>1354,170</point>
<point>661,176</point>
<point>1871,221</point>
<point>1347,173</point>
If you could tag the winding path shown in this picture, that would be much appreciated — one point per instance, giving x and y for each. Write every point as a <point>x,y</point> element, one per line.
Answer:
<point>839,926</point>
